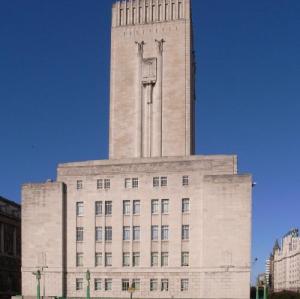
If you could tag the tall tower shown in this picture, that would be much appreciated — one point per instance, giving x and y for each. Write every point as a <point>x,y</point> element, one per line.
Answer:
<point>152,79</point>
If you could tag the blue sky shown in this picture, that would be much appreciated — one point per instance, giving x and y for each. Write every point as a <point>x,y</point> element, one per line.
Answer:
<point>54,93</point>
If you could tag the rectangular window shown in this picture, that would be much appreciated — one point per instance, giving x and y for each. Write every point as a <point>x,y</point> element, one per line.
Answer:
<point>125,285</point>
<point>79,208</point>
<point>153,285</point>
<point>166,12</point>
<point>165,206</point>
<point>136,284</point>
<point>185,232</point>
<point>98,259</point>
<point>135,259</point>
<point>79,284</point>
<point>127,16</point>
<point>146,14</point>
<point>107,184</point>
<point>135,183</point>
<point>140,14</point>
<point>185,180</point>
<point>108,233</point>
<point>126,259</point>
<point>108,208</point>
<point>165,285</point>
<point>164,259</point>
<point>154,259</point>
<point>173,11</point>
<point>153,13</point>
<point>136,233</point>
<point>79,184</point>
<point>108,284</point>
<point>98,208</point>
<point>165,232</point>
<point>97,284</point>
<point>185,205</point>
<point>185,259</point>
<point>126,207</point>
<point>121,17</point>
<point>156,182</point>
<point>184,285</point>
<point>79,259</point>
<point>163,181</point>
<point>108,259</point>
<point>79,234</point>
<point>159,12</point>
<point>154,232</point>
<point>179,9</point>
<point>99,184</point>
<point>154,206</point>
<point>128,183</point>
<point>133,15</point>
<point>98,233</point>
<point>136,207</point>
<point>126,233</point>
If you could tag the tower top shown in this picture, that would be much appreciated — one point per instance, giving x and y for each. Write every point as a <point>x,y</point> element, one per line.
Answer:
<point>137,12</point>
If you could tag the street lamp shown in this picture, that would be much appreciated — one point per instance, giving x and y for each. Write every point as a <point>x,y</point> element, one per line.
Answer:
<point>88,278</point>
<point>37,274</point>
<point>131,290</point>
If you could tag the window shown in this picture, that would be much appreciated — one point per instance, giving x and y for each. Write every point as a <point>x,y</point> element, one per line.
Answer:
<point>106,183</point>
<point>108,284</point>
<point>185,205</point>
<point>136,233</point>
<point>126,233</point>
<point>126,207</point>
<point>154,259</point>
<point>125,284</point>
<point>108,259</point>
<point>79,234</point>
<point>100,184</point>
<point>79,184</point>
<point>165,232</point>
<point>135,183</point>
<point>98,259</point>
<point>98,234</point>
<point>153,285</point>
<point>179,10</point>
<point>154,232</point>
<point>164,284</point>
<point>136,207</point>
<point>184,259</point>
<point>156,181</point>
<point>108,233</point>
<point>185,180</point>
<point>185,232</point>
<point>79,208</point>
<point>135,259</point>
<point>184,285</point>
<point>79,284</point>
<point>98,208</point>
<point>159,12</point>
<point>108,208</point>
<point>136,284</point>
<point>97,284</point>
<point>165,206</point>
<point>128,183</point>
<point>154,206</point>
<point>79,259</point>
<point>164,259</point>
<point>163,181</point>
<point>126,259</point>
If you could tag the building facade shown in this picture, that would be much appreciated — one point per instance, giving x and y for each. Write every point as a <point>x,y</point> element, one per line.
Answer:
<point>154,216</point>
<point>287,263</point>
<point>10,248</point>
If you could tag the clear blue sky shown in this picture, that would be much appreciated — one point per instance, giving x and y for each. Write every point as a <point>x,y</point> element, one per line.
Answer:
<point>54,93</point>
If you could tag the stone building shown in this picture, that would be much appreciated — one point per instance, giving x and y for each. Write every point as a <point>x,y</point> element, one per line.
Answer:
<point>286,263</point>
<point>10,248</point>
<point>154,216</point>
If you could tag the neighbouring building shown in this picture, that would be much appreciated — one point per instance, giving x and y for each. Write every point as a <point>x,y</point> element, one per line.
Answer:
<point>10,248</point>
<point>286,263</point>
<point>154,217</point>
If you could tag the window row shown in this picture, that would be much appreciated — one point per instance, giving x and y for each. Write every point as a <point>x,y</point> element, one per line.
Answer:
<point>106,235</point>
<point>133,259</point>
<point>133,207</point>
<point>133,183</point>
<point>154,284</point>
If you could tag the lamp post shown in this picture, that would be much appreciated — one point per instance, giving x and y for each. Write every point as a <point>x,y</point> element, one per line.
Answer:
<point>37,274</point>
<point>88,278</point>
<point>131,290</point>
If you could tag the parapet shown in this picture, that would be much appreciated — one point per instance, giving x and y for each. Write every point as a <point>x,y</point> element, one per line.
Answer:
<point>138,12</point>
